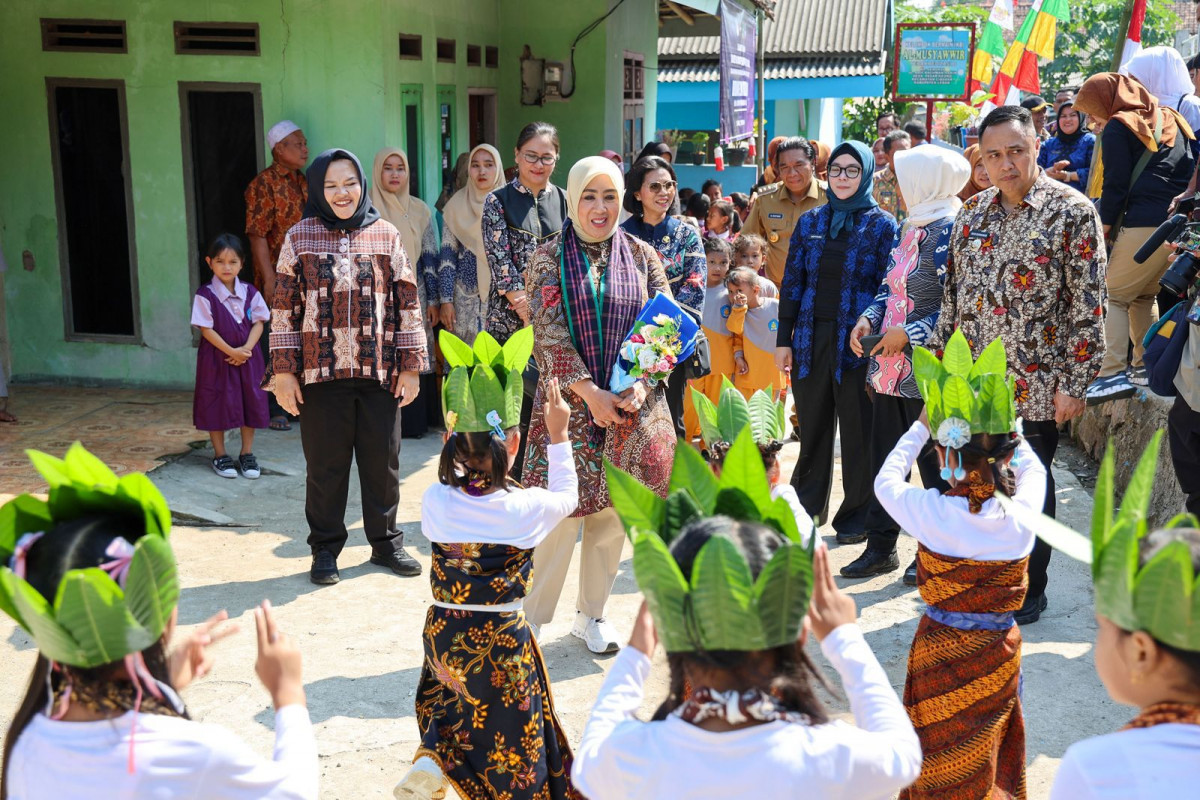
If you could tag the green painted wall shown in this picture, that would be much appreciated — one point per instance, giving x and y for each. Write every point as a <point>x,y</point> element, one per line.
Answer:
<point>333,67</point>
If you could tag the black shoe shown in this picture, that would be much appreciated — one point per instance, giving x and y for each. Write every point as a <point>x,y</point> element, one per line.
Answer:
<point>851,537</point>
<point>871,562</point>
<point>1031,612</point>
<point>910,574</point>
<point>324,568</point>
<point>398,562</point>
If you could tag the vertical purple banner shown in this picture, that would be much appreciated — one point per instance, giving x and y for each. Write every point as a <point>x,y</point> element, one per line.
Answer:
<point>739,46</point>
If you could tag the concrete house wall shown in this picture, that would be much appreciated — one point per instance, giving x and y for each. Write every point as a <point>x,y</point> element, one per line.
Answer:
<point>333,67</point>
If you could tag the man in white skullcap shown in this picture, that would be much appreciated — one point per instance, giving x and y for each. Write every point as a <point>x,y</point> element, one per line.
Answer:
<point>274,203</point>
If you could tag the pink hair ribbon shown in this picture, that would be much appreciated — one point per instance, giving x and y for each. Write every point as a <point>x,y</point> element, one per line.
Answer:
<point>121,553</point>
<point>22,550</point>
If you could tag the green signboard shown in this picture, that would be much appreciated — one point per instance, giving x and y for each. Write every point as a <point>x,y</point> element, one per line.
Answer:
<point>933,62</point>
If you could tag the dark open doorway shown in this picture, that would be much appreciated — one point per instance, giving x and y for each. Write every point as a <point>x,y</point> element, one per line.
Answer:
<point>91,176</point>
<point>481,125</point>
<point>222,149</point>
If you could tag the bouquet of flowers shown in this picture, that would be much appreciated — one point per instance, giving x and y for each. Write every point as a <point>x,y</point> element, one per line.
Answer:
<point>663,335</point>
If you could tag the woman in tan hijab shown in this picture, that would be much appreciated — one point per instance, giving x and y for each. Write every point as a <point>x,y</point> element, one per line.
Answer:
<point>979,179</point>
<point>391,197</point>
<point>463,261</point>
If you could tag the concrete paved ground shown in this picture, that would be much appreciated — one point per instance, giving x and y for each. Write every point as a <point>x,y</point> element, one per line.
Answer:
<point>362,644</point>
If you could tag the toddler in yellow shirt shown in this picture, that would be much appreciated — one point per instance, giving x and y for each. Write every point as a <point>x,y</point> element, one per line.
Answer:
<point>752,324</point>
<point>718,253</point>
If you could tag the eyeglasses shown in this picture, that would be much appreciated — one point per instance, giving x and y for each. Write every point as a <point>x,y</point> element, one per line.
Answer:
<point>534,158</point>
<point>837,171</point>
<point>658,188</point>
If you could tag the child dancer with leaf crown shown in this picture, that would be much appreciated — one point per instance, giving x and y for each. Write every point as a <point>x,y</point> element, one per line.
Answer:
<point>483,701</point>
<point>1147,646</point>
<point>727,582</point>
<point>90,575</point>
<point>962,688</point>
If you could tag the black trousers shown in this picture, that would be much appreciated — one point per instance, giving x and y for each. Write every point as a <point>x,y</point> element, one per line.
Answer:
<point>1043,438</point>
<point>417,415</point>
<point>518,466</point>
<point>342,420</point>
<point>821,403</point>
<point>891,417</point>
<point>676,392</point>
<point>1183,432</point>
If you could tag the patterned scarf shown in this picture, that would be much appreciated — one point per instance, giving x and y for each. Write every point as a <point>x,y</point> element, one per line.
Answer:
<point>599,319</point>
<point>735,707</point>
<point>1164,713</point>
<point>975,490</point>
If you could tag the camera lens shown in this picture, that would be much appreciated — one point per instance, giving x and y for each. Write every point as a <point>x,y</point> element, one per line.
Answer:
<point>1180,276</point>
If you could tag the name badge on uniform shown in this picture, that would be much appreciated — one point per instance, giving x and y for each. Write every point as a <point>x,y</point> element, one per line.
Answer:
<point>774,215</point>
<point>976,239</point>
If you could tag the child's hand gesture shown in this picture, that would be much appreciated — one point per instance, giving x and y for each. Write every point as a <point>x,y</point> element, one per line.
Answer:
<point>557,413</point>
<point>644,636</point>
<point>740,361</point>
<point>191,659</point>
<point>278,664</point>
<point>738,299</point>
<point>831,606</point>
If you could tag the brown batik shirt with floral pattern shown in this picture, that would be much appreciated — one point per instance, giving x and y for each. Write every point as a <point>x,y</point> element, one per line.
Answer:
<point>274,203</point>
<point>345,306</point>
<point>1034,278</point>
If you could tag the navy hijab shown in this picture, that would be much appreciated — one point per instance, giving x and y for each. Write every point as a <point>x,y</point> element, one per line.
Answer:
<point>317,206</point>
<point>844,210</point>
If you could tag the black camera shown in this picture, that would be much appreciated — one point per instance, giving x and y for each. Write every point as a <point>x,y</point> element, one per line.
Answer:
<point>1183,270</point>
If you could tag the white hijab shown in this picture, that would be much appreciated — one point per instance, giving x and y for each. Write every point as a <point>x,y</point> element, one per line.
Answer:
<point>930,179</point>
<point>1162,71</point>
<point>584,172</point>
<point>463,215</point>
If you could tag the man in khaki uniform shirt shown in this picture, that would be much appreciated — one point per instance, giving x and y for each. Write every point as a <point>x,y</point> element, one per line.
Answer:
<point>778,207</point>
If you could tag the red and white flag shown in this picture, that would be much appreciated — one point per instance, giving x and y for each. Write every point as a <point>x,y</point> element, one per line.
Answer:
<point>1133,42</point>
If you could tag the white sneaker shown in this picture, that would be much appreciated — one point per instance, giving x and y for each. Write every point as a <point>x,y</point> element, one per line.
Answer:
<point>424,781</point>
<point>596,633</point>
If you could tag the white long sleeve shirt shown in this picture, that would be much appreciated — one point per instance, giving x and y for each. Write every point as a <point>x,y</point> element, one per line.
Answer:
<point>803,521</point>
<point>173,759</point>
<point>946,524</point>
<point>1157,763</point>
<point>622,758</point>
<point>521,518</point>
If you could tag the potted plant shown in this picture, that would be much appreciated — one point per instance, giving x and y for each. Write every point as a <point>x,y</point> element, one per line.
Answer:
<point>672,139</point>
<point>700,142</point>
<point>735,154</point>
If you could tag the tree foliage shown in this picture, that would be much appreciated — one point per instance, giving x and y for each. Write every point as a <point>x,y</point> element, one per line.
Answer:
<point>1083,47</point>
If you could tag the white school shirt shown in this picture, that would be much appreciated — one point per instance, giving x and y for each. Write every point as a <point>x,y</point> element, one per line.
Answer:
<point>520,518</point>
<point>235,302</point>
<point>174,759</point>
<point>623,758</point>
<point>803,521</point>
<point>946,524</point>
<point>1157,763</point>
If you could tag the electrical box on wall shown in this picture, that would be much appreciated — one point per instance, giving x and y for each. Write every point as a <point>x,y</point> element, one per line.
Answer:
<point>541,80</point>
<point>552,79</point>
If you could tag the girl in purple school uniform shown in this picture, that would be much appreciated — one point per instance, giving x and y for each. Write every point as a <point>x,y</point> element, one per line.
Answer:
<point>229,365</point>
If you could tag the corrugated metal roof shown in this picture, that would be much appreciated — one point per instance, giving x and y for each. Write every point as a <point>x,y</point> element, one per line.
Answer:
<point>803,27</point>
<point>699,70</point>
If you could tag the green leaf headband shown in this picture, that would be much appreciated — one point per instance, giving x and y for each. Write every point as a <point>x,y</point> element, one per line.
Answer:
<point>92,620</point>
<point>1163,597</point>
<point>723,607</point>
<point>962,396</point>
<point>765,416</point>
<point>484,389</point>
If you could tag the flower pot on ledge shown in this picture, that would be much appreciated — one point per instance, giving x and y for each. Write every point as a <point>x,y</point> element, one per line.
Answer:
<point>736,156</point>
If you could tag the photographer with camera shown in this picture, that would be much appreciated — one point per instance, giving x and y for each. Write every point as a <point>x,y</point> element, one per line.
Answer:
<point>1147,162</point>
<point>1181,338</point>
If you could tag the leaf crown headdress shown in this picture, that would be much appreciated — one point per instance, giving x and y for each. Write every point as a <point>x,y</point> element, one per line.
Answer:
<point>722,606</point>
<point>722,422</point>
<point>1161,598</point>
<point>484,389</point>
<point>963,396</point>
<point>97,615</point>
